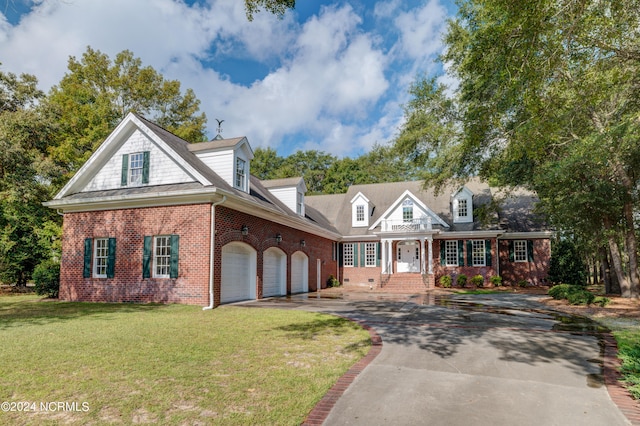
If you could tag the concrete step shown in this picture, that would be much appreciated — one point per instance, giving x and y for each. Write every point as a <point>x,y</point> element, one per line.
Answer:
<point>404,283</point>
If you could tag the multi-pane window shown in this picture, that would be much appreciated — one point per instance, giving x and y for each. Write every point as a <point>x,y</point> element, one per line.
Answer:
<point>463,209</point>
<point>451,253</point>
<point>520,251</point>
<point>478,252</point>
<point>347,254</point>
<point>136,167</point>
<point>370,254</point>
<point>162,257</point>
<point>240,173</point>
<point>299,202</point>
<point>360,213</point>
<point>100,257</point>
<point>407,210</point>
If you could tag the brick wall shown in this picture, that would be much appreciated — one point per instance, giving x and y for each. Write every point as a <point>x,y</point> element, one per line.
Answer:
<point>535,273</point>
<point>129,226</point>
<point>261,236</point>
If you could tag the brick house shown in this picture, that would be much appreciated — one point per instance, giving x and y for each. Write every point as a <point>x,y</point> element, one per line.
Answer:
<point>152,218</point>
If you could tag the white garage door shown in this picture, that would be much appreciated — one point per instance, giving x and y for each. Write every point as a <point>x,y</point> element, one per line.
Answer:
<point>274,273</point>
<point>299,273</point>
<point>238,273</point>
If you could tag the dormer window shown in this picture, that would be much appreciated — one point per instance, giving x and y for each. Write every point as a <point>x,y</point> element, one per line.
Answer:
<point>240,173</point>
<point>135,169</point>
<point>361,210</point>
<point>462,206</point>
<point>300,203</point>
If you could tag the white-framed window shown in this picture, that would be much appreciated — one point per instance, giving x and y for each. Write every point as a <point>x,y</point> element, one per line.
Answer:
<point>299,202</point>
<point>162,256</point>
<point>478,256</point>
<point>347,254</point>
<point>407,210</point>
<point>520,251</point>
<point>100,257</point>
<point>359,213</point>
<point>136,167</point>
<point>240,173</point>
<point>370,254</point>
<point>451,252</point>
<point>463,208</point>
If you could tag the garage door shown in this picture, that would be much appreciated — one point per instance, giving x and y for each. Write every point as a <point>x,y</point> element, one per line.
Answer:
<point>238,273</point>
<point>274,273</point>
<point>299,273</point>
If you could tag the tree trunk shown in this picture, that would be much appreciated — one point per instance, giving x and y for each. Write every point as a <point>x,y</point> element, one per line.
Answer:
<point>625,289</point>
<point>632,251</point>
<point>606,270</point>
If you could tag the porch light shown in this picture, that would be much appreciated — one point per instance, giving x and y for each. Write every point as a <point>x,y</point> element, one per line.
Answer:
<point>278,238</point>
<point>303,243</point>
<point>244,230</point>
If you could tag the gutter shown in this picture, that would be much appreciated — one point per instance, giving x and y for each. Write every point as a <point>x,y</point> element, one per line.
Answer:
<point>211,251</point>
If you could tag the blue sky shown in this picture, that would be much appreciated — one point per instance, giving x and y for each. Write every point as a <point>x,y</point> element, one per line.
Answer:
<point>330,75</point>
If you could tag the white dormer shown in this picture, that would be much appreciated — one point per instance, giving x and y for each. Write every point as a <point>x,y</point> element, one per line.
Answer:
<point>462,206</point>
<point>229,158</point>
<point>290,191</point>
<point>361,210</point>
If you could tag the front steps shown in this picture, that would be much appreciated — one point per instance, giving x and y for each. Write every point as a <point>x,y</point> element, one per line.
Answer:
<point>405,283</point>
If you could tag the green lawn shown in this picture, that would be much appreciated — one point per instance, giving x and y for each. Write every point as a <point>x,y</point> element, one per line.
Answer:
<point>169,364</point>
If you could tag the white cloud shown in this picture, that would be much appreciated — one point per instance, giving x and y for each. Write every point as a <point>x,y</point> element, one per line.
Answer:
<point>330,82</point>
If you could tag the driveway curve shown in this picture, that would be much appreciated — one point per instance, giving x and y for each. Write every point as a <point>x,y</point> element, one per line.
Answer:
<point>498,359</point>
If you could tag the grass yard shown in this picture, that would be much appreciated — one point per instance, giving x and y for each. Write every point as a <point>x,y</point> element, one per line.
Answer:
<point>169,364</point>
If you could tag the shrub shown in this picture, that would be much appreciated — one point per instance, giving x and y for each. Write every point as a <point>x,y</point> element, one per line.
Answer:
<point>46,277</point>
<point>576,295</point>
<point>477,280</point>
<point>461,280</point>
<point>496,280</point>
<point>445,281</point>
<point>602,301</point>
<point>523,283</point>
<point>332,282</point>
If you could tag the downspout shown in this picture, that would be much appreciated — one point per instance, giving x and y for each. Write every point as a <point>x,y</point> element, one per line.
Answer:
<point>211,251</point>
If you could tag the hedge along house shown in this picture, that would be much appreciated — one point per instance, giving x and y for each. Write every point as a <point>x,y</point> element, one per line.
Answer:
<point>399,236</point>
<point>152,218</point>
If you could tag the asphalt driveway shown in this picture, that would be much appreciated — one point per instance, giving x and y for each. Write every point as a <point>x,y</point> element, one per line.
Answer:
<point>470,360</point>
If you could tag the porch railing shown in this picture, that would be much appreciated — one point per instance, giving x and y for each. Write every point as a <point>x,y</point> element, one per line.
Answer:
<point>414,225</point>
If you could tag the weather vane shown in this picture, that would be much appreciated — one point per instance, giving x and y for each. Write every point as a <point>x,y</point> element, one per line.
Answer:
<point>219,126</point>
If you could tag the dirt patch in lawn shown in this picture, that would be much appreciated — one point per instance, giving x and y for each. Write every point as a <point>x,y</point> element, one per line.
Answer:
<point>619,307</point>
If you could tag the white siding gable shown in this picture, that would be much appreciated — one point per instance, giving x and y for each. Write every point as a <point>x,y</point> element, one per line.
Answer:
<point>420,214</point>
<point>291,195</point>
<point>162,168</point>
<point>223,161</point>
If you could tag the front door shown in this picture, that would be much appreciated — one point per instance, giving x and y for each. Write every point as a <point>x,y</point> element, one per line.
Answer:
<point>408,257</point>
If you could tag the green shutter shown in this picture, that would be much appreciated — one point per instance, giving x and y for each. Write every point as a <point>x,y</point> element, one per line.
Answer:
<point>173,272</point>
<point>124,177</point>
<point>146,257</point>
<point>460,252</point>
<point>530,250</point>
<point>469,253</point>
<point>378,254</point>
<point>487,252</point>
<point>86,272</point>
<point>512,255</point>
<point>362,253</point>
<point>340,254</point>
<point>355,254</point>
<point>111,258</point>
<point>443,259</point>
<point>145,167</point>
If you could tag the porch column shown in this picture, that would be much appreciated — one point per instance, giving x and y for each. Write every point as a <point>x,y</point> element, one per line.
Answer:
<point>430,243</point>
<point>383,259</point>
<point>390,256</point>
<point>422,267</point>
